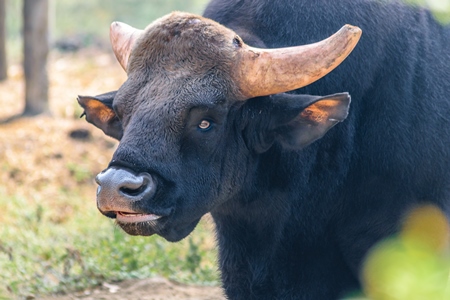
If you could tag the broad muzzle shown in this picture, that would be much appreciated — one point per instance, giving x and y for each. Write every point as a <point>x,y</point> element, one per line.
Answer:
<point>119,189</point>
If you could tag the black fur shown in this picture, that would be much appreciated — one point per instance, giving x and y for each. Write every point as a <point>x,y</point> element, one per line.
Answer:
<point>315,213</point>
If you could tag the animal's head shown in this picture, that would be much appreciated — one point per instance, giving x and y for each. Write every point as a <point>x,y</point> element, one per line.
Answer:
<point>198,108</point>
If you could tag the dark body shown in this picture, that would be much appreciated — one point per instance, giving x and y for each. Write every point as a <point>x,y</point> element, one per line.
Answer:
<point>293,222</point>
<point>302,230</point>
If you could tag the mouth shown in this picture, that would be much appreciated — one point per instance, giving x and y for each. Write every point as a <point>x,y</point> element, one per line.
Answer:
<point>131,217</point>
<point>146,224</point>
<point>137,222</point>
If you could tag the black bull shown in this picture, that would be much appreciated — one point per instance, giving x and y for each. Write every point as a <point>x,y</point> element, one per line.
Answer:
<point>295,215</point>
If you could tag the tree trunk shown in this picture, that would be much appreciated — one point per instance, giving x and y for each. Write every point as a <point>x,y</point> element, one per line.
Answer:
<point>3,66</point>
<point>35,45</point>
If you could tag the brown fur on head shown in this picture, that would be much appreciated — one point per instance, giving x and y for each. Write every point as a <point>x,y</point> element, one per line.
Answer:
<point>185,47</point>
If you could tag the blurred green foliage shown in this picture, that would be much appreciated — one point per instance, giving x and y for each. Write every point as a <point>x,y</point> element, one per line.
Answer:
<point>412,265</point>
<point>88,22</point>
<point>440,8</point>
<point>399,269</point>
<point>94,16</point>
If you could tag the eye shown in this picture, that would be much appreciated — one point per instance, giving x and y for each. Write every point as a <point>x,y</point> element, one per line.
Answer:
<point>205,125</point>
<point>237,41</point>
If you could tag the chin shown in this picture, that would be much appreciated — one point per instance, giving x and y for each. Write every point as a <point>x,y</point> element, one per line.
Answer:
<point>142,228</point>
<point>170,232</point>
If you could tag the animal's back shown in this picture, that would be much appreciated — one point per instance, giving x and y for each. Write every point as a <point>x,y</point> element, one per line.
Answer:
<point>391,154</point>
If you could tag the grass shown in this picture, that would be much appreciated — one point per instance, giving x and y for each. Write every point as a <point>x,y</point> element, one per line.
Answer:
<point>46,251</point>
<point>40,254</point>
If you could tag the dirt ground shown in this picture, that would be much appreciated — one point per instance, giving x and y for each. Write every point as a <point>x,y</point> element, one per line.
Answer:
<point>146,289</point>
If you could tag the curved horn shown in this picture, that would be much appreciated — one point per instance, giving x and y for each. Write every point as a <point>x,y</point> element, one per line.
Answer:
<point>262,72</point>
<point>123,37</point>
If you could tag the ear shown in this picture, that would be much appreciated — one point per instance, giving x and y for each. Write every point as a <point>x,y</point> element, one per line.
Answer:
<point>313,117</point>
<point>294,121</point>
<point>98,111</point>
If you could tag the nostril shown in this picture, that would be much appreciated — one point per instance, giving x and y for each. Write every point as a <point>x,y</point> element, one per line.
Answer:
<point>122,185</point>
<point>143,186</point>
<point>133,191</point>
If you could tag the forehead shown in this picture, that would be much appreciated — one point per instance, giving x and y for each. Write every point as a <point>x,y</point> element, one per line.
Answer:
<point>178,95</point>
<point>181,61</point>
<point>182,45</point>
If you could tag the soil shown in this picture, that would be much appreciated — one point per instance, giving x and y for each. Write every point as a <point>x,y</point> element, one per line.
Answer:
<point>146,289</point>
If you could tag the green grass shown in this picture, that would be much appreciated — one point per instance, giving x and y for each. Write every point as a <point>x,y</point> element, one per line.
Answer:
<point>40,255</point>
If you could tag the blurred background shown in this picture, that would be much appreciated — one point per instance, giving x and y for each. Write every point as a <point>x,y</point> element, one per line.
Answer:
<point>52,238</point>
<point>75,24</point>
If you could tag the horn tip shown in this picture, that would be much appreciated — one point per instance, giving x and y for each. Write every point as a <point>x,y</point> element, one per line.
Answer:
<point>113,29</point>
<point>119,28</point>
<point>114,25</point>
<point>355,30</point>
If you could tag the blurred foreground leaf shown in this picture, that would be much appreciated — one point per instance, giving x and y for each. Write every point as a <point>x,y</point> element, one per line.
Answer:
<point>415,265</point>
